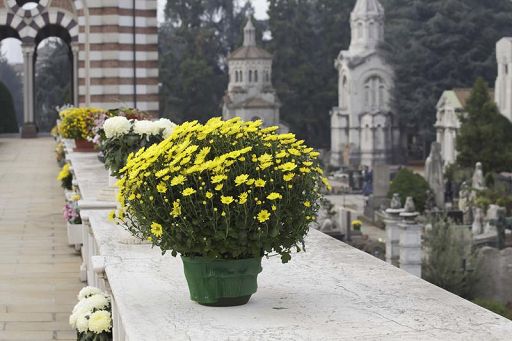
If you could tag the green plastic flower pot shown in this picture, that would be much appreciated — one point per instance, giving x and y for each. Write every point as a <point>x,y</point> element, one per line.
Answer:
<point>221,283</point>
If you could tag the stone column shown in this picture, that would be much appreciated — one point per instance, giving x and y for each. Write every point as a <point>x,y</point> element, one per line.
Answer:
<point>410,243</point>
<point>393,235</point>
<point>75,51</point>
<point>29,127</point>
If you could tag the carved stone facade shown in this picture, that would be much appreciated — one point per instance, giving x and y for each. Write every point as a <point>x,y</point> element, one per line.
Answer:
<point>113,45</point>
<point>363,129</point>
<point>503,85</point>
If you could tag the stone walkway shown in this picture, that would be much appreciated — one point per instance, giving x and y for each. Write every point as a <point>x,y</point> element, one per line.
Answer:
<point>39,272</point>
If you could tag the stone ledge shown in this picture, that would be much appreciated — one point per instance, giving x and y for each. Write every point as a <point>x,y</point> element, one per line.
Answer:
<point>332,291</point>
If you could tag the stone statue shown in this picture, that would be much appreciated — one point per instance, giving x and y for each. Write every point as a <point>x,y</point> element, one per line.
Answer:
<point>434,174</point>
<point>396,202</point>
<point>409,205</point>
<point>465,203</point>
<point>430,201</point>
<point>478,178</point>
<point>477,227</point>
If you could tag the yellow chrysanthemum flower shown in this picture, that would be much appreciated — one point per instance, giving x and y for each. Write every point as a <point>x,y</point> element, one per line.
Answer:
<point>218,178</point>
<point>282,154</point>
<point>209,195</point>
<point>176,209</point>
<point>294,151</point>
<point>111,215</point>
<point>307,204</point>
<point>188,191</point>
<point>226,200</point>
<point>242,198</point>
<point>241,179</point>
<point>288,166</point>
<point>219,187</point>
<point>156,229</point>
<point>288,177</point>
<point>161,187</point>
<point>274,196</point>
<point>263,216</point>
<point>178,180</point>
<point>260,183</point>
<point>265,158</point>
<point>304,170</point>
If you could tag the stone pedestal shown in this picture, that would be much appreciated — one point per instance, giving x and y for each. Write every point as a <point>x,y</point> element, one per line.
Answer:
<point>28,131</point>
<point>410,244</point>
<point>393,235</point>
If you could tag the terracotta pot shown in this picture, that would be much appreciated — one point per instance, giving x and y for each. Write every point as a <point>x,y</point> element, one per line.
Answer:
<point>84,146</point>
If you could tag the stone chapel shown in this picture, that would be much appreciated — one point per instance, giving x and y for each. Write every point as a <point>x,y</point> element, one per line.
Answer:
<point>250,94</point>
<point>364,131</point>
<point>452,102</point>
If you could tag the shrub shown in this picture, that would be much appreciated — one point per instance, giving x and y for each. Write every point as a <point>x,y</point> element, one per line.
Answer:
<point>409,184</point>
<point>494,306</point>
<point>448,258</point>
<point>223,190</point>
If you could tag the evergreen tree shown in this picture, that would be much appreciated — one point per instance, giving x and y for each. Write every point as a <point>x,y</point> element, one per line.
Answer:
<point>52,82</point>
<point>194,43</point>
<point>435,45</point>
<point>484,135</point>
<point>306,39</point>
<point>13,82</point>
<point>8,122</point>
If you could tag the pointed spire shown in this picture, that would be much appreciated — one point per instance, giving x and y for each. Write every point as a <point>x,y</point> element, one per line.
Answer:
<point>249,33</point>
<point>367,24</point>
<point>367,8</point>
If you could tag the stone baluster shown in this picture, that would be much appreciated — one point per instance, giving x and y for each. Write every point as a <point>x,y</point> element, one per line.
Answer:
<point>410,240</point>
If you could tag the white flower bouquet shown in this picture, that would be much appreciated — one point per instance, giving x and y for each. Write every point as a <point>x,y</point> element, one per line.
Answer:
<point>92,316</point>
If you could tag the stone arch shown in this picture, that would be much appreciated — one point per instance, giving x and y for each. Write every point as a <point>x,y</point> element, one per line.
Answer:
<point>102,80</point>
<point>56,18</point>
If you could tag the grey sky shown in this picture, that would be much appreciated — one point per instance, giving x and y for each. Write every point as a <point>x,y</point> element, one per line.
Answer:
<point>12,49</point>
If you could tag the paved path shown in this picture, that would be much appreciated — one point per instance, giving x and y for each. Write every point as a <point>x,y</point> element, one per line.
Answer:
<point>38,270</point>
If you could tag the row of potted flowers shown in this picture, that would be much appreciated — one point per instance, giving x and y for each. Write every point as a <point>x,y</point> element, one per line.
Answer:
<point>222,195</point>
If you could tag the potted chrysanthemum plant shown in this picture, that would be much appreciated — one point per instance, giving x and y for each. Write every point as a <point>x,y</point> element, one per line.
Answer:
<point>73,221</point>
<point>77,124</point>
<point>92,315</point>
<point>222,195</point>
<point>66,177</point>
<point>121,136</point>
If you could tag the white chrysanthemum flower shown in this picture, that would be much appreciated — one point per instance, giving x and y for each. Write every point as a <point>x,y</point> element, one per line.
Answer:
<point>100,321</point>
<point>82,324</point>
<point>166,126</point>
<point>87,292</point>
<point>72,320</point>
<point>145,128</point>
<point>116,126</point>
<point>98,301</point>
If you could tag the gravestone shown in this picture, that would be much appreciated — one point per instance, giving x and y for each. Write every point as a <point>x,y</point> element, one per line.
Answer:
<point>434,174</point>
<point>381,176</point>
<point>379,198</point>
